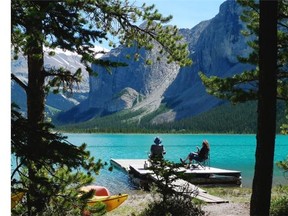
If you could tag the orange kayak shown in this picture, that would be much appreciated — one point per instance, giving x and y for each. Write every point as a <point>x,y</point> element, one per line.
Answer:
<point>111,202</point>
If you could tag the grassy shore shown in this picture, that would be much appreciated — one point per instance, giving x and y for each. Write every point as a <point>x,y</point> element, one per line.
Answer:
<point>239,201</point>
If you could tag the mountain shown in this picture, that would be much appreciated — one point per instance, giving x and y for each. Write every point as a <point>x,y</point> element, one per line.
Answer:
<point>214,53</point>
<point>54,102</point>
<point>139,88</point>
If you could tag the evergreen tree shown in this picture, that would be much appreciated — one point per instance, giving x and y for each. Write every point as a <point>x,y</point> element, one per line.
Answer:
<point>58,178</point>
<point>73,25</point>
<point>170,197</point>
<point>262,181</point>
<point>266,83</point>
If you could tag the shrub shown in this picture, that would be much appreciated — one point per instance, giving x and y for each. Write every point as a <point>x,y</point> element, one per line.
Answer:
<point>279,206</point>
<point>176,205</point>
<point>169,198</point>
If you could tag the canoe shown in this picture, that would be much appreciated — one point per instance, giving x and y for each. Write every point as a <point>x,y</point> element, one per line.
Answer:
<point>99,190</point>
<point>111,202</point>
<point>16,198</point>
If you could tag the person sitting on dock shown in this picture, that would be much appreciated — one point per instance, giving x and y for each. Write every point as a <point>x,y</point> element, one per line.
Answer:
<point>200,156</point>
<point>157,150</point>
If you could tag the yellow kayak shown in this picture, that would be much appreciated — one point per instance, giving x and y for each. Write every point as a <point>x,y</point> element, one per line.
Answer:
<point>15,198</point>
<point>111,202</point>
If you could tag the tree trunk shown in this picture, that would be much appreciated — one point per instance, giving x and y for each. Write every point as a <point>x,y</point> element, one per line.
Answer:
<point>35,108</point>
<point>263,176</point>
<point>36,95</point>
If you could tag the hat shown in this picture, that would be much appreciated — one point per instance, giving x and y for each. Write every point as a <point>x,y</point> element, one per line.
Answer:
<point>157,140</point>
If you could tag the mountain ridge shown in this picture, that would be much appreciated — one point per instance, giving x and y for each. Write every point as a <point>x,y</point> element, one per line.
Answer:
<point>179,89</point>
<point>173,93</point>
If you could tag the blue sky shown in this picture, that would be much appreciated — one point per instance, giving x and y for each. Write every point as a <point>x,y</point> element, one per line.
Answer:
<point>186,13</point>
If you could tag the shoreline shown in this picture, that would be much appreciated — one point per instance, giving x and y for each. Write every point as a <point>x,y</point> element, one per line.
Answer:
<point>139,201</point>
<point>239,202</point>
<point>238,152</point>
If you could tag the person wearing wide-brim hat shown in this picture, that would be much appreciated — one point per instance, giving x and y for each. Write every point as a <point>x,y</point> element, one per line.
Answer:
<point>157,150</point>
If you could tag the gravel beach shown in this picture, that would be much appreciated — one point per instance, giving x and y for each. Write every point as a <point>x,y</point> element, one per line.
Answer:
<point>137,202</point>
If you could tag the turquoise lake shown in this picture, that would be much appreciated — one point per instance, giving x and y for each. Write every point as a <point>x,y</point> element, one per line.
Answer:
<point>234,152</point>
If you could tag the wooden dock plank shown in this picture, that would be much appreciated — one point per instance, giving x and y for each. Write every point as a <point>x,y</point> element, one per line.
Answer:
<point>193,191</point>
<point>140,170</point>
<point>212,170</point>
<point>179,184</point>
<point>210,198</point>
<point>138,166</point>
<point>125,163</point>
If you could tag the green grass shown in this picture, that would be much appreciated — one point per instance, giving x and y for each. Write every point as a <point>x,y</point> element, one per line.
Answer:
<point>135,204</point>
<point>233,194</point>
<point>242,195</point>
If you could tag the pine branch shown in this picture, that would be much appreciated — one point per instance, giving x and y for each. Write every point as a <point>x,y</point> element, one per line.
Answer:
<point>19,82</point>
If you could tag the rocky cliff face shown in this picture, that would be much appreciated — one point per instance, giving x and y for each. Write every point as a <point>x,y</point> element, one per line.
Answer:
<point>214,46</point>
<point>135,86</point>
<point>214,53</point>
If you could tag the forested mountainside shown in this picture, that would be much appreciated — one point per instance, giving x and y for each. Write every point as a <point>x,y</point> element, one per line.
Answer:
<point>226,118</point>
<point>141,89</point>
